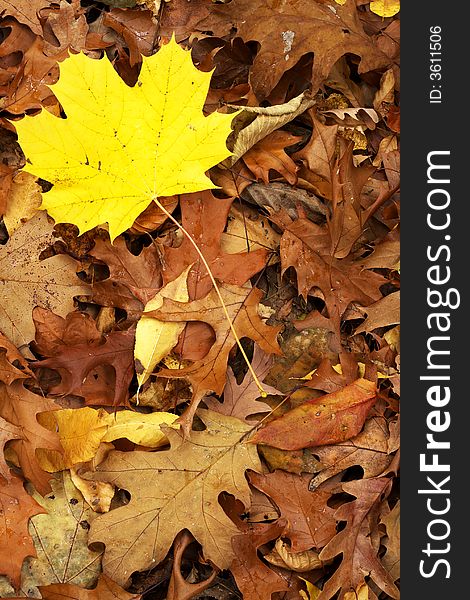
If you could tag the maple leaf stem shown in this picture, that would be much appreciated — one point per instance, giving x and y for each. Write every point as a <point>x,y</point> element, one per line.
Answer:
<point>263,392</point>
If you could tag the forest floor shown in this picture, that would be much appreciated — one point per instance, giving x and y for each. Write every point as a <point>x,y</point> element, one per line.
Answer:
<point>199,336</point>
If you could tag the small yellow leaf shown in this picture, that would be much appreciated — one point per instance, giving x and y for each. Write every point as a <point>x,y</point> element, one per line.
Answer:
<point>121,147</point>
<point>154,339</point>
<point>361,593</point>
<point>142,429</point>
<point>312,591</point>
<point>385,8</point>
<point>341,2</point>
<point>81,431</point>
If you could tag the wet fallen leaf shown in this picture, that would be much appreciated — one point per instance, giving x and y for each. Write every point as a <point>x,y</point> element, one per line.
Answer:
<point>326,420</point>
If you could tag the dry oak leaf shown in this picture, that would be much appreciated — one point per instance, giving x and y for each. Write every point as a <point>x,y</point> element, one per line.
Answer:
<point>26,281</point>
<point>204,217</point>
<point>391,559</point>
<point>16,508</point>
<point>60,537</point>
<point>329,419</point>
<point>54,333</point>
<point>287,31</point>
<point>310,521</point>
<point>20,407</point>
<point>26,12</point>
<point>209,374</point>
<point>12,364</point>
<point>254,578</point>
<point>64,26</point>
<point>121,147</point>
<point>368,450</point>
<point>242,400</point>
<point>382,313</point>
<point>106,589</point>
<point>8,432</point>
<point>76,363</point>
<point>172,490</point>
<point>141,274</point>
<point>26,88</point>
<point>355,541</point>
<point>306,247</point>
<point>269,154</point>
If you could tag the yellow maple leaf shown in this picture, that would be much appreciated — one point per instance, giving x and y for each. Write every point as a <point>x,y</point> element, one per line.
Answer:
<point>121,147</point>
<point>385,8</point>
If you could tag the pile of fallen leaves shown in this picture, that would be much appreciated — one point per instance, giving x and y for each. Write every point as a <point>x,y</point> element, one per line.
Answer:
<point>199,299</point>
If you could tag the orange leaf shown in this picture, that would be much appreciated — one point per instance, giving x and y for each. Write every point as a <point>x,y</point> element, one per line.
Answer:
<point>330,419</point>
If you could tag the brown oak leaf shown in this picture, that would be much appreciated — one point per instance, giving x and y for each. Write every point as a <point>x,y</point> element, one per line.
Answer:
<point>141,274</point>
<point>19,407</point>
<point>97,366</point>
<point>290,30</point>
<point>355,542</point>
<point>26,281</point>
<point>254,578</point>
<point>269,154</point>
<point>16,508</point>
<point>204,217</point>
<point>370,450</point>
<point>310,521</point>
<point>242,400</point>
<point>209,374</point>
<point>12,364</point>
<point>8,432</point>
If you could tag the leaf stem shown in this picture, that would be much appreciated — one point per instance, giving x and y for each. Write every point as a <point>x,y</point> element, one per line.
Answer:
<point>263,392</point>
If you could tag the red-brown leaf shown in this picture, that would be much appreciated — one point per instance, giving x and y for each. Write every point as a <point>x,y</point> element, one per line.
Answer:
<point>329,419</point>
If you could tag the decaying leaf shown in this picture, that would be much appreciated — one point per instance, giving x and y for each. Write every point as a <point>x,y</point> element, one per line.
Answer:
<point>172,490</point>
<point>300,562</point>
<point>60,538</point>
<point>20,407</point>
<point>287,32</point>
<point>12,364</point>
<point>310,522</point>
<point>385,311</point>
<point>75,362</point>
<point>204,218</point>
<point>254,579</point>
<point>242,400</point>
